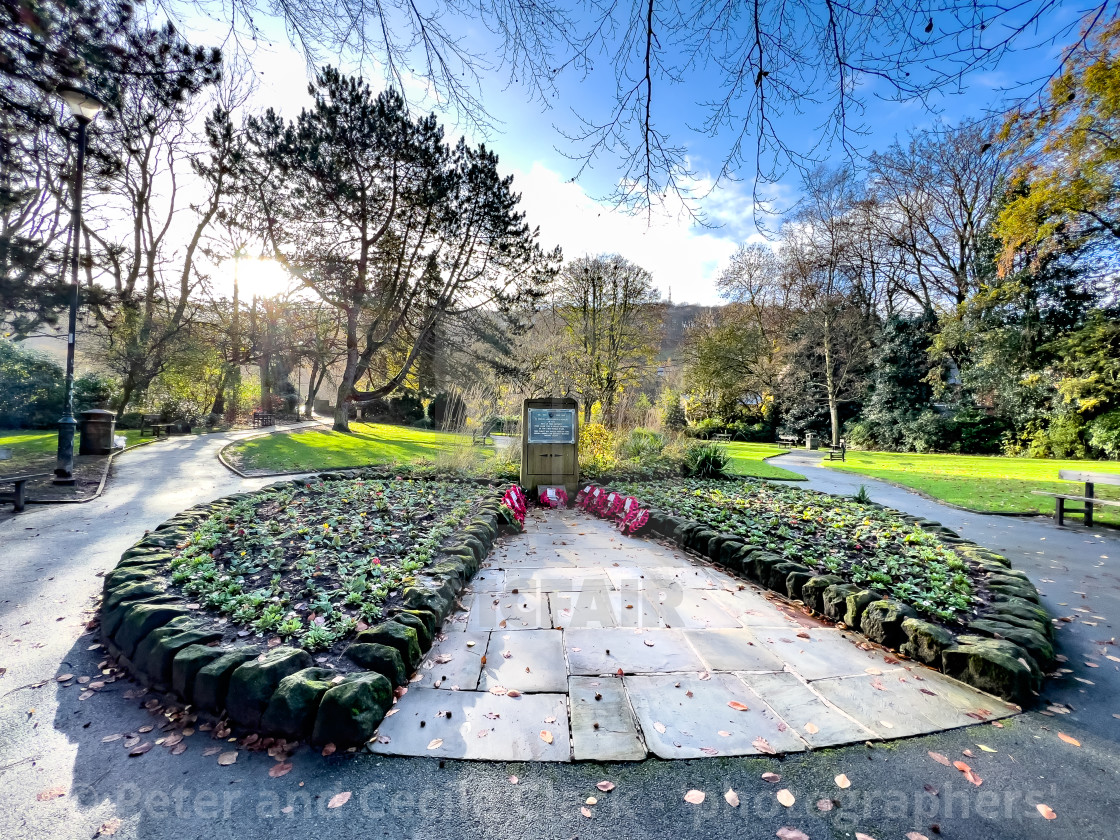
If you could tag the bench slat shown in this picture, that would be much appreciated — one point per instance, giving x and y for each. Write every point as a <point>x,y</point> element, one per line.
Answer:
<point>7,479</point>
<point>1094,499</point>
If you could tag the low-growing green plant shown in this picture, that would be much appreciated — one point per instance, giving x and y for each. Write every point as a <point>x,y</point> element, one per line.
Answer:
<point>706,460</point>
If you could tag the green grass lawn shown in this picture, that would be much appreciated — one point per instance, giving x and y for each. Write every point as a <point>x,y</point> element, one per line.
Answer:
<point>32,448</point>
<point>747,460</point>
<point>367,443</point>
<point>999,485</point>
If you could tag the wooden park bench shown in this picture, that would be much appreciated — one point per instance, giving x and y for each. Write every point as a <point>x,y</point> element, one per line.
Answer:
<point>1088,500</point>
<point>479,435</point>
<point>263,418</point>
<point>789,440</point>
<point>722,437</point>
<point>837,453</point>
<point>16,497</point>
<point>153,422</point>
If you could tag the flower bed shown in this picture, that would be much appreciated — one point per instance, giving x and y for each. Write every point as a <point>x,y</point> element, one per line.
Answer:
<point>261,607</point>
<point>867,567</point>
<point>863,544</point>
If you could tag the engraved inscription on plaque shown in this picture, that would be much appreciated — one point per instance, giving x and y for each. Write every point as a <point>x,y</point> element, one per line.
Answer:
<point>552,425</point>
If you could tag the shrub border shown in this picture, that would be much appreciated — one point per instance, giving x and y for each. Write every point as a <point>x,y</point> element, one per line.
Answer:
<point>277,691</point>
<point>1006,650</point>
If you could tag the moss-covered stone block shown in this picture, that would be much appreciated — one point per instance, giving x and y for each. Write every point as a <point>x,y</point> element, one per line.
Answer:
<point>728,549</point>
<point>133,591</point>
<point>925,641</point>
<point>882,622</point>
<point>211,685</point>
<point>397,636</point>
<point>253,684</point>
<point>351,711</point>
<point>293,706</point>
<point>834,600</point>
<point>795,581</point>
<point>154,655</point>
<point>429,619</point>
<point>1045,628</point>
<point>778,573</point>
<point>1033,642</point>
<point>423,634</point>
<point>993,665</point>
<point>422,598</point>
<point>856,603</point>
<point>813,589</point>
<point>186,665</point>
<point>141,619</point>
<point>383,659</point>
<point>1020,607</point>
<point>1024,591</point>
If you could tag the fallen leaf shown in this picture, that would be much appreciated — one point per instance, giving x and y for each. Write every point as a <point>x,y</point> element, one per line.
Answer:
<point>913,835</point>
<point>812,728</point>
<point>435,743</point>
<point>281,769</point>
<point>140,749</point>
<point>659,726</point>
<point>649,642</point>
<point>591,800</point>
<point>514,693</point>
<point>1069,739</point>
<point>842,782</point>
<point>64,677</point>
<point>209,751</point>
<point>723,733</point>
<point>329,749</point>
<point>1046,811</point>
<point>986,749</point>
<point>972,777</point>
<point>694,797</point>
<point>788,833</point>
<point>737,706</point>
<point>339,799</point>
<point>771,777</point>
<point>605,787</point>
<point>227,758</point>
<point>861,836</point>
<point>513,780</point>
<point>940,759</point>
<point>50,793</point>
<point>824,804</point>
<point>732,798</point>
<point>763,746</point>
<point>108,828</point>
<point>546,736</point>
<point>586,812</point>
<point>786,798</point>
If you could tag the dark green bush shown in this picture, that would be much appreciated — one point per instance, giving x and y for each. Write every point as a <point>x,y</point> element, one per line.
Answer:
<point>31,388</point>
<point>706,460</point>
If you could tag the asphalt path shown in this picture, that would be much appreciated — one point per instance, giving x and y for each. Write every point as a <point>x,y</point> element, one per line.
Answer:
<point>59,779</point>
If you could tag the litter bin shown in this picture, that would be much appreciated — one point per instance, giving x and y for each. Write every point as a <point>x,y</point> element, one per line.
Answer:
<point>97,428</point>
<point>810,440</point>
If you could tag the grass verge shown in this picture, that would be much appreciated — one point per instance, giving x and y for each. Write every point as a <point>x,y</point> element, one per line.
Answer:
<point>989,484</point>
<point>747,460</point>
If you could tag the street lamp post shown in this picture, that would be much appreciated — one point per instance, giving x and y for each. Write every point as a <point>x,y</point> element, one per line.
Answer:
<point>84,107</point>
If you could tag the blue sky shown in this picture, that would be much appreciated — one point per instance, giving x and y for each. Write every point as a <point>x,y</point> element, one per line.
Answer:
<point>683,257</point>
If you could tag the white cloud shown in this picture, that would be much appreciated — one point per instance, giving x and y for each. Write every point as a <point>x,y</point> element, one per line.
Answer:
<point>682,257</point>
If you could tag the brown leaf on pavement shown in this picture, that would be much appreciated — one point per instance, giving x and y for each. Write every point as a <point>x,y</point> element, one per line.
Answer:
<point>842,782</point>
<point>812,728</point>
<point>281,769</point>
<point>789,833</point>
<point>586,812</point>
<point>659,726</point>
<point>771,777</point>
<point>786,798</point>
<point>546,736</point>
<point>694,797</point>
<point>108,828</point>
<point>140,749</point>
<point>763,746</point>
<point>1046,811</point>
<point>861,836</point>
<point>913,835</point>
<point>50,793</point>
<point>824,804</point>
<point>737,706</point>
<point>513,780</point>
<point>227,758</point>
<point>329,750</point>
<point>435,743</point>
<point>1069,739</point>
<point>339,799</point>
<point>940,759</point>
<point>960,765</point>
<point>605,787</point>
<point>732,798</point>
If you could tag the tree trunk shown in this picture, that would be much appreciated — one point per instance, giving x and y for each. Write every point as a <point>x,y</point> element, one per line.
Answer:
<point>349,375</point>
<point>313,383</point>
<point>219,406</point>
<point>830,385</point>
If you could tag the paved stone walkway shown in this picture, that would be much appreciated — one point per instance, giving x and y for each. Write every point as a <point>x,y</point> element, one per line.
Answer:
<point>576,642</point>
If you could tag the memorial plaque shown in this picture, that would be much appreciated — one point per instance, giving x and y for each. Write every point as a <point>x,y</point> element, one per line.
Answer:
<point>552,425</point>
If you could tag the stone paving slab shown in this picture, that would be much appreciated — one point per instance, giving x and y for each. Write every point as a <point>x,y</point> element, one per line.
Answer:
<point>454,663</point>
<point>579,602</point>
<point>683,716</point>
<point>603,725</point>
<point>527,660</point>
<point>822,653</point>
<point>654,651</point>
<point>512,726</point>
<point>814,720</point>
<point>732,649</point>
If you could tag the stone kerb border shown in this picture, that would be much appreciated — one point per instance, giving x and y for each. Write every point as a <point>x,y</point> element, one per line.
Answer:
<point>1005,652</point>
<point>278,691</point>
